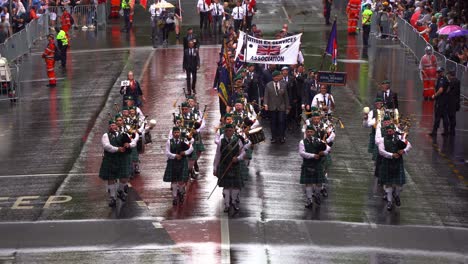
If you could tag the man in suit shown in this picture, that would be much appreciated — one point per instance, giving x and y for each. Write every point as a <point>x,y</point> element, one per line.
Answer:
<point>390,98</point>
<point>191,64</point>
<point>453,99</point>
<point>191,36</point>
<point>309,90</point>
<point>277,102</point>
<point>254,85</point>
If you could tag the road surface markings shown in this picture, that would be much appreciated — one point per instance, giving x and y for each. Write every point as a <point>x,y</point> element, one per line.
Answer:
<point>47,175</point>
<point>157,225</point>
<point>225,240</point>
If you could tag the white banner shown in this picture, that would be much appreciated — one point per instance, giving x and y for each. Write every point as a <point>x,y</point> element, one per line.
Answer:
<point>277,51</point>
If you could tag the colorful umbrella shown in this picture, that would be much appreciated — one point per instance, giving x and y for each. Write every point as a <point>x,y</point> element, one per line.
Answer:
<point>458,33</point>
<point>448,29</point>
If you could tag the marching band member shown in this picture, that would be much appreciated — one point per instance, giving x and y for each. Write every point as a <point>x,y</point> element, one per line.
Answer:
<point>312,150</point>
<point>324,101</point>
<point>129,101</point>
<point>176,171</point>
<point>392,171</point>
<point>228,120</point>
<point>114,164</point>
<point>229,152</point>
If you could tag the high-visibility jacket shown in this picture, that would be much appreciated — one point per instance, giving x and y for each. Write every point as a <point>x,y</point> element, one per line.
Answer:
<point>49,51</point>
<point>62,37</point>
<point>367,17</point>
<point>125,4</point>
<point>65,19</point>
<point>353,6</point>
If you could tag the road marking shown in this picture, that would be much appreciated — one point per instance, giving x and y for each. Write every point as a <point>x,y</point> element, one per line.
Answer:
<point>41,80</point>
<point>314,8</point>
<point>157,225</point>
<point>47,175</point>
<point>141,203</point>
<point>225,241</point>
<point>286,14</point>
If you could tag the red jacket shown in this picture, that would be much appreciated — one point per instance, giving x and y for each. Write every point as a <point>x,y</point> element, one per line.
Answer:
<point>49,52</point>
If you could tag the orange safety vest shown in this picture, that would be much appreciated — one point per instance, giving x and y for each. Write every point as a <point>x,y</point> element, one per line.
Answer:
<point>49,51</point>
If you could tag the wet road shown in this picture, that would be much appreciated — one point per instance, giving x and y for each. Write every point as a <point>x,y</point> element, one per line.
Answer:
<point>53,206</point>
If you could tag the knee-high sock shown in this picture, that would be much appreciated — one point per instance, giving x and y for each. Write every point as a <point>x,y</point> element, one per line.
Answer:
<point>235,195</point>
<point>227,196</point>
<point>174,189</point>
<point>309,192</point>
<point>181,188</point>
<point>112,189</point>
<point>389,191</point>
<point>398,190</point>
<point>191,163</point>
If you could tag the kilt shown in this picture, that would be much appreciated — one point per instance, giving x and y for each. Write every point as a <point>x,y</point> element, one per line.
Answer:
<point>176,170</point>
<point>392,171</point>
<point>233,178</point>
<point>197,147</point>
<point>371,146</point>
<point>328,162</point>
<point>134,156</point>
<point>114,166</point>
<point>244,170</point>
<point>248,154</point>
<point>313,174</point>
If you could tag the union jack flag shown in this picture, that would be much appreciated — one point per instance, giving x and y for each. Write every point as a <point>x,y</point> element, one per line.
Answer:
<point>268,50</point>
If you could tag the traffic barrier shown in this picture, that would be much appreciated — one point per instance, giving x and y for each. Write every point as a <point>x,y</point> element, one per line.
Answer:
<point>411,39</point>
<point>9,81</point>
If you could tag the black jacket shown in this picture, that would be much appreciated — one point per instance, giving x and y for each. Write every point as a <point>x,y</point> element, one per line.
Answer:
<point>191,62</point>
<point>391,101</point>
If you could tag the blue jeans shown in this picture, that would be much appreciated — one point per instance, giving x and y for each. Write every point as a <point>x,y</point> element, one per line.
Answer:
<point>278,122</point>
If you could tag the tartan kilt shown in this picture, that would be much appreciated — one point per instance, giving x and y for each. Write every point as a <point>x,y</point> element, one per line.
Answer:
<point>135,157</point>
<point>313,174</point>
<point>244,170</point>
<point>197,147</point>
<point>176,170</point>
<point>232,179</point>
<point>248,154</point>
<point>375,152</point>
<point>392,171</point>
<point>328,162</point>
<point>114,166</point>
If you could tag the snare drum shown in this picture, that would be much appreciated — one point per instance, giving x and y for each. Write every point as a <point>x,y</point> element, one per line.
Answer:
<point>256,135</point>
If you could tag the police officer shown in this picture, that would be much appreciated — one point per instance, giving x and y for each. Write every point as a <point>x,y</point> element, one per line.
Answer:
<point>440,106</point>
<point>62,42</point>
<point>125,6</point>
<point>366,24</point>
<point>453,100</point>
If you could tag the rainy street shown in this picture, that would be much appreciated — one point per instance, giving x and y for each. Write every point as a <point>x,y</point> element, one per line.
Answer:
<point>54,207</point>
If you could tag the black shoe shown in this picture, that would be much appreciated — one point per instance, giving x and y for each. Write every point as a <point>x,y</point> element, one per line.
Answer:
<point>316,199</point>
<point>397,201</point>
<point>121,195</point>
<point>51,85</point>
<point>452,132</point>
<point>125,189</point>
<point>324,192</point>
<point>384,197</point>
<point>389,206</point>
<point>112,202</point>
<point>174,201</point>
<point>282,140</point>
<point>226,209</point>
<point>181,197</point>
<point>309,204</point>
<point>445,134</point>
<point>273,140</point>
<point>235,206</point>
<point>193,175</point>
<point>432,134</point>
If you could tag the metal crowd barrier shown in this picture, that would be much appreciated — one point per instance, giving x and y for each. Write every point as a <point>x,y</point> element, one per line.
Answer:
<point>83,15</point>
<point>411,39</point>
<point>9,82</point>
<point>21,42</point>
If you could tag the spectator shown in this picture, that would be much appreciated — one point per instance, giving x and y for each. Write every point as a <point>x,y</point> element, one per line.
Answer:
<point>32,13</point>
<point>18,21</point>
<point>4,29</point>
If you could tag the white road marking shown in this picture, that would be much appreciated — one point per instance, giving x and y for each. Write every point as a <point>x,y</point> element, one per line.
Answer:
<point>41,80</point>
<point>286,14</point>
<point>225,241</point>
<point>314,8</point>
<point>157,225</point>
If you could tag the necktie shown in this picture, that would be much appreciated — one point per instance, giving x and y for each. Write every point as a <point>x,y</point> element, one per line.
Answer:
<point>324,101</point>
<point>217,11</point>
<point>191,52</point>
<point>204,6</point>
<point>276,88</point>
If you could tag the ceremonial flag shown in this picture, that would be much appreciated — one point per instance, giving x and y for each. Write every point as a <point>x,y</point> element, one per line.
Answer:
<point>278,51</point>
<point>143,3</point>
<point>332,47</point>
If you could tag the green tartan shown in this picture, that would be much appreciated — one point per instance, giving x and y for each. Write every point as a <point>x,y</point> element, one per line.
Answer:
<point>114,165</point>
<point>312,170</point>
<point>244,170</point>
<point>198,146</point>
<point>134,156</point>
<point>177,170</point>
<point>328,162</point>
<point>248,154</point>
<point>231,178</point>
<point>392,171</point>
<point>371,146</point>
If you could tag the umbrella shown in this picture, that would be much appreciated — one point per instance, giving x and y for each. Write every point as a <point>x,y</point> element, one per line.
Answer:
<point>458,33</point>
<point>164,5</point>
<point>448,29</point>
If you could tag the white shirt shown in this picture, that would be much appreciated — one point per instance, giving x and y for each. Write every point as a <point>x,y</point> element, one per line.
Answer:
<point>156,11</point>
<point>217,9</point>
<point>320,98</point>
<point>238,13</point>
<point>246,10</point>
<point>389,155</point>
<point>307,155</point>
<point>170,155</point>
<point>218,153</point>
<point>202,6</point>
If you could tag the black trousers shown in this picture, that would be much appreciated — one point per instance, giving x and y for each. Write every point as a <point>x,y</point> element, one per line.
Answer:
<point>278,124</point>
<point>452,119</point>
<point>440,112</point>
<point>191,80</point>
<point>63,54</point>
<point>237,24</point>
<point>127,19</point>
<point>204,20</point>
<point>365,35</point>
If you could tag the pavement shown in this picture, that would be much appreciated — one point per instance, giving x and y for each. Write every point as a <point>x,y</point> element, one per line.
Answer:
<point>53,206</point>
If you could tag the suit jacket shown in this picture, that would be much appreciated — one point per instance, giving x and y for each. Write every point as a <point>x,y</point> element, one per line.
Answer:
<point>191,62</point>
<point>276,102</point>
<point>254,87</point>
<point>309,90</point>
<point>391,101</point>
